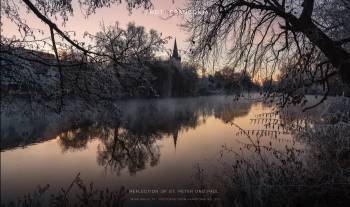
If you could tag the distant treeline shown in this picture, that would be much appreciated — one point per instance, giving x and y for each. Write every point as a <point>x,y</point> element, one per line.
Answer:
<point>153,78</point>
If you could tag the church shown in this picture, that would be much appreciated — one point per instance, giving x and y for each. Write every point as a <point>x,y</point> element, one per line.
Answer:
<point>175,57</point>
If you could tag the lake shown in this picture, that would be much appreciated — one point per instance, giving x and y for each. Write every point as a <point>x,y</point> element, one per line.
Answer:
<point>139,144</point>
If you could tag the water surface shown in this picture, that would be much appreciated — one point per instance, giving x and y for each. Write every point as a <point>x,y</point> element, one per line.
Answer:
<point>136,143</point>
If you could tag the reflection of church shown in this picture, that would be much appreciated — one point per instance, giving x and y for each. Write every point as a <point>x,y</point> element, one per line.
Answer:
<point>175,135</point>
<point>175,57</point>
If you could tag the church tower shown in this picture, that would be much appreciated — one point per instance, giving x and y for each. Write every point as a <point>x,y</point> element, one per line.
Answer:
<point>175,57</point>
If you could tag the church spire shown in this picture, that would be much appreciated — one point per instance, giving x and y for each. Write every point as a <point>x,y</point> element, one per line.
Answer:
<point>175,52</point>
<point>175,57</point>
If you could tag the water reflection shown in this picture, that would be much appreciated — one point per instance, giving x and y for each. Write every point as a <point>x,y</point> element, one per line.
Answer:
<point>25,123</point>
<point>268,157</point>
<point>127,130</point>
<point>128,149</point>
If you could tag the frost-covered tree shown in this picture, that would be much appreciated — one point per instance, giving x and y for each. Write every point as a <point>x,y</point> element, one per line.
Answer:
<point>128,46</point>
<point>46,10</point>
<point>265,35</point>
<point>65,72</point>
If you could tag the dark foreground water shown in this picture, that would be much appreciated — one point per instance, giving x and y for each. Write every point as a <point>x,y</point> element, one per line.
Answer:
<point>139,144</point>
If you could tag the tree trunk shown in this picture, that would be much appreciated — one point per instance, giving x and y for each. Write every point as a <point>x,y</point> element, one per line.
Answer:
<point>337,55</point>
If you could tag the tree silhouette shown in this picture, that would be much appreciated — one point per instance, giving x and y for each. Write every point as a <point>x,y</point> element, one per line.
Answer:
<point>312,36</point>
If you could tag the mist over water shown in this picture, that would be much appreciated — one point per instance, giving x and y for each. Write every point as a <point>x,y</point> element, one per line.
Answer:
<point>153,143</point>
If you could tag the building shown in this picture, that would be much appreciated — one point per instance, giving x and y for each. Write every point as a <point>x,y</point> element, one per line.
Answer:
<point>175,57</point>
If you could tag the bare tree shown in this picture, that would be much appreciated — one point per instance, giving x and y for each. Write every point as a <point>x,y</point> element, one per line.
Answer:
<point>126,46</point>
<point>127,52</point>
<point>45,9</point>
<point>50,12</point>
<point>269,34</point>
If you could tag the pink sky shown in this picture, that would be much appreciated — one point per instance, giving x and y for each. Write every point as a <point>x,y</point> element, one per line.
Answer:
<point>80,24</point>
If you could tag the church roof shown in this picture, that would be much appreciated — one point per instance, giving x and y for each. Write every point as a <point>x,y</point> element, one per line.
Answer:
<point>175,52</point>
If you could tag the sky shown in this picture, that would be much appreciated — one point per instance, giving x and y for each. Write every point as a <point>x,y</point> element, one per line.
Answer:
<point>150,19</point>
<point>153,19</point>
